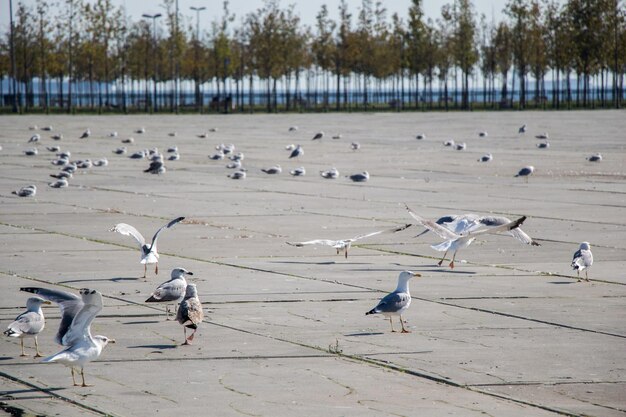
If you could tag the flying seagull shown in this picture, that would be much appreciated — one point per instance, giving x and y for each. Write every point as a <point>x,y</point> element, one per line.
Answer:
<point>397,302</point>
<point>190,312</point>
<point>582,260</point>
<point>455,241</point>
<point>172,290</point>
<point>464,223</point>
<point>149,254</point>
<point>29,324</point>
<point>344,245</point>
<point>74,332</point>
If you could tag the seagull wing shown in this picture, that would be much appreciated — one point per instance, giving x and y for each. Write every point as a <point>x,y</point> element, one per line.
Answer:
<point>167,226</point>
<point>70,304</point>
<point>24,323</point>
<point>79,330</point>
<point>393,230</point>
<point>392,303</point>
<point>128,230</point>
<point>517,233</point>
<point>324,242</point>
<point>441,231</point>
<point>502,228</point>
<point>190,312</point>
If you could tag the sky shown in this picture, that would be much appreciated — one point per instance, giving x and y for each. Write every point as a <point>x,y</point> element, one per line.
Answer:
<point>306,9</point>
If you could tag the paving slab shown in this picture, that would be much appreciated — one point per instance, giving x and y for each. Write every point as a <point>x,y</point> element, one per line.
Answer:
<point>509,331</point>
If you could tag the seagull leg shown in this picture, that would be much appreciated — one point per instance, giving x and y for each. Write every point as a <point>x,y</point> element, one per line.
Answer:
<point>185,333</point>
<point>444,257</point>
<point>82,374</point>
<point>73,379</point>
<point>22,344</point>
<point>156,269</point>
<point>145,270</point>
<point>402,323</point>
<point>586,276</point>
<point>391,322</point>
<point>346,253</point>
<point>167,312</point>
<point>192,335</point>
<point>452,262</point>
<point>37,355</point>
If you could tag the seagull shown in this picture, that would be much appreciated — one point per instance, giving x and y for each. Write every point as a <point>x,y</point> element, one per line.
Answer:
<point>156,167</point>
<point>213,130</point>
<point>172,149</point>
<point>486,158</point>
<point>84,164</point>
<point>172,134</point>
<point>173,157</point>
<point>298,151</point>
<point>61,183</point>
<point>234,165</point>
<point>355,146</point>
<point>330,174</point>
<point>276,169</point>
<point>483,134</point>
<point>190,312</point>
<point>102,162</point>
<point>290,147</point>
<point>28,191</point>
<point>583,259</point>
<point>360,177</point>
<point>543,145</point>
<point>522,129</point>
<point>455,241</point>
<point>595,158</point>
<point>113,134</point>
<point>128,140</point>
<point>35,138</point>
<point>420,136</point>
<point>449,143</point>
<point>47,128</point>
<point>85,134</point>
<point>60,161</point>
<point>293,128</point>
<point>298,172</point>
<point>120,151</point>
<point>53,148</point>
<point>397,302</point>
<point>203,135</point>
<point>239,156</point>
<point>172,290</point>
<point>62,174</point>
<point>31,152</point>
<point>460,146</point>
<point>29,324</point>
<point>526,172</point>
<point>318,135</point>
<point>464,223</point>
<point>338,136</point>
<point>238,175</point>
<point>543,136</point>
<point>34,127</point>
<point>344,245</point>
<point>75,329</point>
<point>217,156</point>
<point>71,168</point>
<point>149,254</point>
<point>228,149</point>
<point>141,130</point>
<point>58,136</point>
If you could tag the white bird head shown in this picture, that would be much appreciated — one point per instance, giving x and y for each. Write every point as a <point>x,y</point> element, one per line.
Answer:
<point>407,275</point>
<point>33,303</point>
<point>180,272</point>
<point>103,340</point>
<point>585,246</point>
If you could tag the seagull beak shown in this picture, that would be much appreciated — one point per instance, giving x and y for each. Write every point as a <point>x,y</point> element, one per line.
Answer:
<point>189,273</point>
<point>47,302</point>
<point>415,274</point>
<point>111,340</point>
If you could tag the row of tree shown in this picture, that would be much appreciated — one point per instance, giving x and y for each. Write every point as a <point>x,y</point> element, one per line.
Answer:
<point>90,54</point>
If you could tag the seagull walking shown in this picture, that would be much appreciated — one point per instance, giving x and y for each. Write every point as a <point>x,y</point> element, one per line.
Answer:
<point>172,290</point>
<point>526,172</point>
<point>582,260</point>
<point>149,254</point>
<point>85,134</point>
<point>190,313</point>
<point>29,324</point>
<point>75,329</point>
<point>397,302</point>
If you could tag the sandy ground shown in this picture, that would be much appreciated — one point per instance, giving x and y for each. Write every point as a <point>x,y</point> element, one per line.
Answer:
<point>508,332</point>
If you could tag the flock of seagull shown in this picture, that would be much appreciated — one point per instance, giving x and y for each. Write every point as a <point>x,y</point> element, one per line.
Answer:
<point>458,231</point>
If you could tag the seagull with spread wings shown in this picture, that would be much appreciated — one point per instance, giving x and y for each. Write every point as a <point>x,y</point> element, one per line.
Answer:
<point>344,245</point>
<point>149,254</point>
<point>456,241</point>
<point>74,333</point>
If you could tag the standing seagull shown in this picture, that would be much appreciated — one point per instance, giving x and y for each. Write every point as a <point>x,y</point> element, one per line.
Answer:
<point>149,254</point>
<point>583,259</point>
<point>397,302</point>
<point>74,331</point>
<point>455,241</point>
<point>172,290</point>
<point>318,135</point>
<point>522,129</point>
<point>298,151</point>
<point>190,312</point>
<point>526,172</point>
<point>344,245</point>
<point>85,134</point>
<point>29,324</point>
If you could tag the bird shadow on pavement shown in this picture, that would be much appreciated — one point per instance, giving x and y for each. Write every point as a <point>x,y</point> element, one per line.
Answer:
<point>562,282</point>
<point>153,347</point>
<point>117,279</point>
<point>364,334</point>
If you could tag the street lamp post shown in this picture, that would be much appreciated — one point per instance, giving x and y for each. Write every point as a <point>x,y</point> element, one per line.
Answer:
<point>13,66</point>
<point>197,74</point>
<point>154,17</point>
